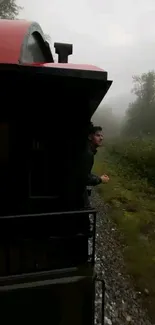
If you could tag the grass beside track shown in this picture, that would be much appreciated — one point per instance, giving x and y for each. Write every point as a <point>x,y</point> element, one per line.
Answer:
<point>132,207</point>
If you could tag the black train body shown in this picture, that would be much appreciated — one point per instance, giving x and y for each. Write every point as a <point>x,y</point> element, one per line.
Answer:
<point>46,270</point>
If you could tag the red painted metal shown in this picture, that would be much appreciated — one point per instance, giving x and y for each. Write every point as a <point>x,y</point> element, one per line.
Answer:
<point>68,66</point>
<point>12,34</point>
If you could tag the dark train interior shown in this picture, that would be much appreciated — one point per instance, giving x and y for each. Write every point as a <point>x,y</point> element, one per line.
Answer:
<point>43,135</point>
<point>46,263</point>
<point>63,298</point>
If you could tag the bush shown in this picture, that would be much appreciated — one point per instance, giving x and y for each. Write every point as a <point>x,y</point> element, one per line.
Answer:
<point>138,153</point>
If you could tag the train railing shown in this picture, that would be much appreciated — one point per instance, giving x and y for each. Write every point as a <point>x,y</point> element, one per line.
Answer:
<point>41,251</point>
<point>38,242</point>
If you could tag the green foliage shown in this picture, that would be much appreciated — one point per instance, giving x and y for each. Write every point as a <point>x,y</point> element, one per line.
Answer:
<point>9,9</point>
<point>138,154</point>
<point>140,116</point>
<point>129,161</point>
<point>132,206</point>
<point>141,113</point>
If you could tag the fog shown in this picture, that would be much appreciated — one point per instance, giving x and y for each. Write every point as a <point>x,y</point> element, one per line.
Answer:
<point>118,36</point>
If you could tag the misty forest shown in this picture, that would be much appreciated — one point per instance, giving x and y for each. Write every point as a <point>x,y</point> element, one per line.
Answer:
<point>128,158</point>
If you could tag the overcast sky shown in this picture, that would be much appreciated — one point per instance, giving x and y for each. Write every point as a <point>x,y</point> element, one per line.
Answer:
<point>116,35</point>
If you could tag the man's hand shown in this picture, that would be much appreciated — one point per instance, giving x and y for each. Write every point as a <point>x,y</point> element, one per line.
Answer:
<point>105,179</point>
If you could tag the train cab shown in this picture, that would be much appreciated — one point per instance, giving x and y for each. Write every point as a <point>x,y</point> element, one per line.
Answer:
<point>44,225</point>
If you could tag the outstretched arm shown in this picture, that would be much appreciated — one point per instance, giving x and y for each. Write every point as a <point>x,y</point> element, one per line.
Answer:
<point>93,180</point>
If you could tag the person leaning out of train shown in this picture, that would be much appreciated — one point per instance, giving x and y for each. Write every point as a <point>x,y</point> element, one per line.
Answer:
<point>95,140</point>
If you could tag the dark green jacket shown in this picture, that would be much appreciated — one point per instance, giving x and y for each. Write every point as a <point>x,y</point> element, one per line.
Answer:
<point>92,179</point>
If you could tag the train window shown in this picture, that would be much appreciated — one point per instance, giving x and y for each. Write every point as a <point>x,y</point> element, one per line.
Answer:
<point>33,52</point>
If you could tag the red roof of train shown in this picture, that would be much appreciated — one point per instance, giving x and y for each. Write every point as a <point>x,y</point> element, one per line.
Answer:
<point>68,66</point>
<point>13,34</point>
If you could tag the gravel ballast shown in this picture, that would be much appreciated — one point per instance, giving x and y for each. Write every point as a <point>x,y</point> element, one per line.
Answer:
<point>122,302</point>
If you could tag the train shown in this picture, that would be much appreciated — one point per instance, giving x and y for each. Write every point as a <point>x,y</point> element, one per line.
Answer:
<point>47,235</point>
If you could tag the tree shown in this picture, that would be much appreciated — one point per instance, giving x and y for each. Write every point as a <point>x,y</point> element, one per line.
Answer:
<point>9,9</point>
<point>141,113</point>
<point>144,86</point>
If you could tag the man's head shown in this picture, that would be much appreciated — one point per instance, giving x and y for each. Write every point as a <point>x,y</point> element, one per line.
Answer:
<point>95,135</point>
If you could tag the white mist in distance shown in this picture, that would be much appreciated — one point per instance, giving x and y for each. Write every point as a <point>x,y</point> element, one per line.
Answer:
<point>118,36</point>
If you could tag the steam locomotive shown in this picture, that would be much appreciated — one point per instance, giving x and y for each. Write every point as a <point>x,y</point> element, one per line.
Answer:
<point>46,267</point>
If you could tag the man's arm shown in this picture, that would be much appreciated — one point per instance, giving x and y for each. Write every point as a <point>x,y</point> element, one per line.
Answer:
<point>93,180</point>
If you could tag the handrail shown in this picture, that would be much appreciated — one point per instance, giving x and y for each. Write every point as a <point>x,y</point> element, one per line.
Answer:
<point>47,214</point>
